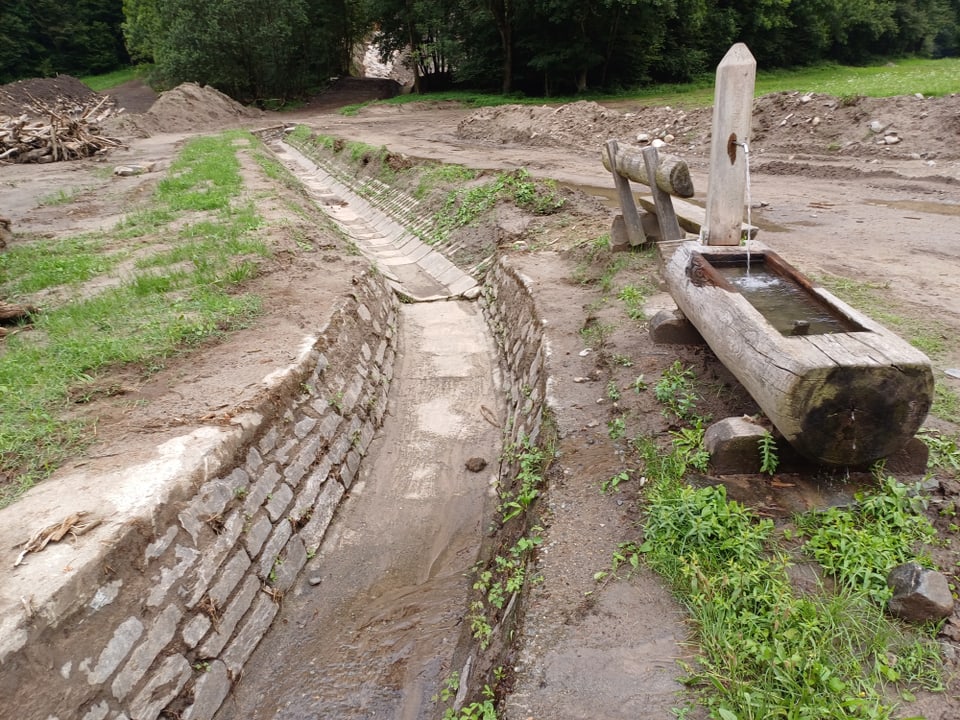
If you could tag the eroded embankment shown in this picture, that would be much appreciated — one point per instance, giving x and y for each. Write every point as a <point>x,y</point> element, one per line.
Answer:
<point>162,612</point>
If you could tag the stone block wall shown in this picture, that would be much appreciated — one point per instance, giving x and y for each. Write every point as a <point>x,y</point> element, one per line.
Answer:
<point>508,305</point>
<point>180,611</point>
<point>509,308</point>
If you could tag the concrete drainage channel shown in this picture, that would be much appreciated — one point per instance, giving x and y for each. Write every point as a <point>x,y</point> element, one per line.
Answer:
<point>188,621</point>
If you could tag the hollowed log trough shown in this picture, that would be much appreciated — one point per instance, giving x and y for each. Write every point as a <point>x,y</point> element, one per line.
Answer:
<point>844,396</point>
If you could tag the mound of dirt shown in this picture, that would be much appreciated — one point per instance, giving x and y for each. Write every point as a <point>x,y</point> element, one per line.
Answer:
<point>581,124</point>
<point>188,107</point>
<point>904,127</point>
<point>63,94</point>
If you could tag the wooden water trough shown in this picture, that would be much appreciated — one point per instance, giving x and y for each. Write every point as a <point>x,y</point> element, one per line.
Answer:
<point>841,388</point>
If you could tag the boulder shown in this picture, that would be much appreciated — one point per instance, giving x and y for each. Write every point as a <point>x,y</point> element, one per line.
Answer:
<point>672,328</point>
<point>919,594</point>
<point>733,444</point>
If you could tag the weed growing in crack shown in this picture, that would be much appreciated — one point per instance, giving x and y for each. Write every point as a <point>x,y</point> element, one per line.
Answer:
<point>478,710</point>
<point>530,459</point>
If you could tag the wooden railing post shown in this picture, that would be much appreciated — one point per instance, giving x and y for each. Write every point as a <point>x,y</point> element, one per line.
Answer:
<point>631,218</point>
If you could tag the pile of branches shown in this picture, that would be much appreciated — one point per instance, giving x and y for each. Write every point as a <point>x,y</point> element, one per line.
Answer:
<point>50,135</point>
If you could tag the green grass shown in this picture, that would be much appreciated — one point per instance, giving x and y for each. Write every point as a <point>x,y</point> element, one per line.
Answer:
<point>184,294</point>
<point>34,266</point>
<point>99,83</point>
<point>767,651</point>
<point>894,77</point>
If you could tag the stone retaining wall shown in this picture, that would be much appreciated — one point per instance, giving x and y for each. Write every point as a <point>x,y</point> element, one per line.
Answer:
<point>508,305</point>
<point>190,598</point>
<point>510,311</point>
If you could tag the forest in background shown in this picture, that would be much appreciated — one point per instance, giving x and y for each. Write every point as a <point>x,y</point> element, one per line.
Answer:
<point>256,51</point>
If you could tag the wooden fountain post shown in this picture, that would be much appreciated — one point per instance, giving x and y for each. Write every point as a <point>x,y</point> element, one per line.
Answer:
<point>844,396</point>
<point>732,110</point>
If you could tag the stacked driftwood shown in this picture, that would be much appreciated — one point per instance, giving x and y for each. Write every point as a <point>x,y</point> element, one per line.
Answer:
<point>49,134</point>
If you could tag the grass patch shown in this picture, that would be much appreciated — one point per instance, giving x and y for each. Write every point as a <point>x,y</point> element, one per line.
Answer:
<point>183,295</point>
<point>765,650</point>
<point>31,267</point>
<point>60,197</point>
<point>99,83</point>
<point>900,77</point>
<point>463,206</point>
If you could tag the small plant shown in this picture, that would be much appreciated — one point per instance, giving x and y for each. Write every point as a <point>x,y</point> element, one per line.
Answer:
<point>611,483</point>
<point>479,626</point>
<point>622,360</point>
<point>613,392</point>
<point>944,450</point>
<point>639,384</point>
<point>596,335</point>
<point>449,688</point>
<point>769,460</point>
<point>633,299</point>
<point>628,553</point>
<point>675,390</point>
<point>688,442</point>
<point>616,428</point>
<point>481,710</point>
<point>530,459</point>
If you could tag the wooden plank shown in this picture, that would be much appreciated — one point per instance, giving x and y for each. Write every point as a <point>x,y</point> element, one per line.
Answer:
<point>732,110</point>
<point>666,217</point>
<point>672,174</point>
<point>631,218</point>
<point>691,217</point>
<point>838,398</point>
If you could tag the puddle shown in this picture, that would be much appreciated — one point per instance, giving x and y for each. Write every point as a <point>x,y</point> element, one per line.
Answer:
<point>923,206</point>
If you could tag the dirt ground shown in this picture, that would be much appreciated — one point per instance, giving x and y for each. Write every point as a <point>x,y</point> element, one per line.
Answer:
<point>830,193</point>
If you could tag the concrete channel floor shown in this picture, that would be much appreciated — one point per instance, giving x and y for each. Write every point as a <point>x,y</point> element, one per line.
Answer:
<point>371,627</point>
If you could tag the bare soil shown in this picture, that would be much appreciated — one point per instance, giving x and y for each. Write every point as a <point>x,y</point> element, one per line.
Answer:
<point>827,195</point>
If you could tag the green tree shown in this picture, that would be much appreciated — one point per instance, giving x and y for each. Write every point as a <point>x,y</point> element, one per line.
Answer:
<point>46,37</point>
<point>249,49</point>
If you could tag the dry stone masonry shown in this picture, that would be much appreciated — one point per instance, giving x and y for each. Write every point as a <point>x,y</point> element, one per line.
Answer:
<point>204,585</point>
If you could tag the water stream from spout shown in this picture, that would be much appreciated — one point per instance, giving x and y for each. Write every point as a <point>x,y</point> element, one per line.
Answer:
<point>746,156</point>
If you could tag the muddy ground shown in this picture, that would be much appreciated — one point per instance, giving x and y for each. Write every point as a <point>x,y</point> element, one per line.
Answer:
<point>829,193</point>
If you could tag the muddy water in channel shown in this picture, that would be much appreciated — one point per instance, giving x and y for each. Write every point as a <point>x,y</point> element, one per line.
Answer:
<point>378,633</point>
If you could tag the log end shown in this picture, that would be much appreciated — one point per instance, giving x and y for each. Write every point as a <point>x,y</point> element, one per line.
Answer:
<point>853,416</point>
